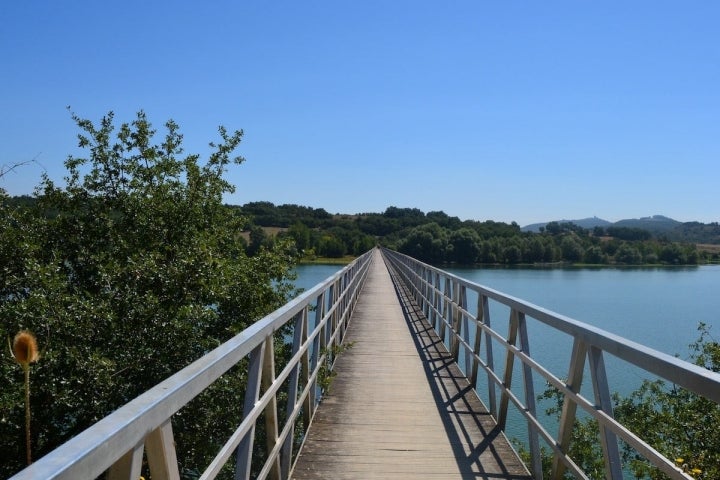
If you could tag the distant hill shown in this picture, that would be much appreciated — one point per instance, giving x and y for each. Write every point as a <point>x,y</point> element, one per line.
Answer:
<point>587,223</point>
<point>659,226</point>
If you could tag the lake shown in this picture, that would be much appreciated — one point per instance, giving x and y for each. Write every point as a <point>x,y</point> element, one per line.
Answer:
<point>658,307</point>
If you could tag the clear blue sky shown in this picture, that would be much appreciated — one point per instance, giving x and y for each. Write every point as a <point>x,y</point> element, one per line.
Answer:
<point>519,111</point>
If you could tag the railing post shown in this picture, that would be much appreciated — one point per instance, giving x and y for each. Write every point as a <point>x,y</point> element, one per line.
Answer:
<point>271,416</point>
<point>436,303</point>
<point>252,393</point>
<point>129,466</point>
<point>299,336</point>
<point>427,282</point>
<point>318,345</point>
<point>455,322</point>
<point>306,369</point>
<point>330,324</point>
<point>508,374</point>
<point>608,440</point>
<point>161,455</point>
<point>567,416</point>
<point>465,327</point>
<point>479,318</point>
<point>446,317</point>
<point>533,439</point>
<point>484,304</point>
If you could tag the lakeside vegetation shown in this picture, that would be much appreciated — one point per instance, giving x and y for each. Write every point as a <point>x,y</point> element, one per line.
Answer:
<point>437,238</point>
<point>679,424</point>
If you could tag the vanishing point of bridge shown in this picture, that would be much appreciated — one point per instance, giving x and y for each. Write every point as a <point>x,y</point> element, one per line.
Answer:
<point>390,360</point>
<point>399,406</point>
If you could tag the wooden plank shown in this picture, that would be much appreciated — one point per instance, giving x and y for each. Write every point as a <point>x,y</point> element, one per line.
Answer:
<point>399,406</point>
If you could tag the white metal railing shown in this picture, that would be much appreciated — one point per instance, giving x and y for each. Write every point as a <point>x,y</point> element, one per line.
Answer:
<point>116,444</point>
<point>443,298</point>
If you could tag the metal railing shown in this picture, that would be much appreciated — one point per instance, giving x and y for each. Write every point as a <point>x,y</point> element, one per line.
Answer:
<point>117,443</point>
<point>443,298</point>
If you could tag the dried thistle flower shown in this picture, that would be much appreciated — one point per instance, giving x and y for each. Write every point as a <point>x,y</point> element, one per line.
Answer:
<point>24,348</point>
<point>25,351</point>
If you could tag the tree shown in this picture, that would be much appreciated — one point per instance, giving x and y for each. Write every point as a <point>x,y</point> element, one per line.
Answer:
<point>628,255</point>
<point>595,255</point>
<point>427,243</point>
<point>301,234</point>
<point>512,254</point>
<point>465,245</point>
<point>331,246</point>
<point>572,250</point>
<point>139,271</point>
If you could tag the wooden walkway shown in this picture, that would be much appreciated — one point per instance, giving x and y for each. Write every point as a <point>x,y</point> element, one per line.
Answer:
<point>399,407</point>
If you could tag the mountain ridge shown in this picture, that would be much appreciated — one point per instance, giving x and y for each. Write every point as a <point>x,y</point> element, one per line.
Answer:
<point>653,223</point>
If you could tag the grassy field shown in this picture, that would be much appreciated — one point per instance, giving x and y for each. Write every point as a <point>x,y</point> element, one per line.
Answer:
<point>708,247</point>
<point>327,260</point>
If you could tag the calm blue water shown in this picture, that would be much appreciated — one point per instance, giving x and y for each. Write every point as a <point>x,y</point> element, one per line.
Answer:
<point>310,275</point>
<point>657,307</point>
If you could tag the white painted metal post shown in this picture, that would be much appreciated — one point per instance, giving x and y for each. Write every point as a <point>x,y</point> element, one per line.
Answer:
<point>293,382</point>
<point>608,440</point>
<point>129,466</point>
<point>161,455</point>
<point>567,416</point>
<point>533,439</point>
<point>252,393</point>
<point>508,374</point>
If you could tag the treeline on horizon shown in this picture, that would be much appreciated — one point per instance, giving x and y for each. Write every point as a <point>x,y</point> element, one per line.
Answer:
<point>437,238</point>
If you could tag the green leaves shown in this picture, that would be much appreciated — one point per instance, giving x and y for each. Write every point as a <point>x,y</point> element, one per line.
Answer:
<point>678,423</point>
<point>127,274</point>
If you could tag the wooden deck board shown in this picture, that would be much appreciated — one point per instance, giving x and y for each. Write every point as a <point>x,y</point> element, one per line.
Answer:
<point>399,408</point>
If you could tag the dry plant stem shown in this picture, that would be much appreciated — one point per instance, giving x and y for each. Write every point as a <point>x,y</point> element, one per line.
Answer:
<point>26,367</point>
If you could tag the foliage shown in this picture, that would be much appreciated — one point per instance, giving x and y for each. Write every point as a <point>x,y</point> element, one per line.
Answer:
<point>439,238</point>
<point>679,424</point>
<point>436,237</point>
<point>138,271</point>
<point>267,214</point>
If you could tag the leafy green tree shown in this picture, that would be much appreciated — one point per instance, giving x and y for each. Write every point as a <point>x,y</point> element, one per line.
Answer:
<point>331,246</point>
<point>465,247</point>
<point>301,234</point>
<point>598,231</point>
<point>595,255</point>
<point>535,251</point>
<point>489,252</point>
<point>444,220</point>
<point>572,249</point>
<point>139,271</point>
<point>427,243</point>
<point>628,255</point>
<point>363,244</point>
<point>629,233</point>
<point>512,254</point>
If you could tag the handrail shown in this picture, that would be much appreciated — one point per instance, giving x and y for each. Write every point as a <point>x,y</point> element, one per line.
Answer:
<point>442,297</point>
<point>117,442</point>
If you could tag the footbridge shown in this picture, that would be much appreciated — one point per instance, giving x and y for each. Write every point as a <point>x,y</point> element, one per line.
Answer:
<point>397,370</point>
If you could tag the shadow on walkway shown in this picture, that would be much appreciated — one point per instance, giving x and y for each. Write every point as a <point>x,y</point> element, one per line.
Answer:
<point>481,449</point>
